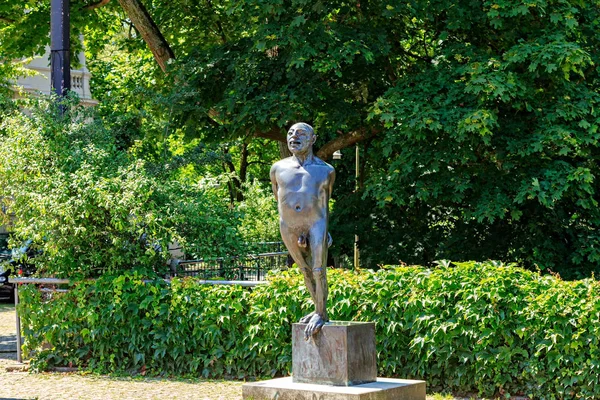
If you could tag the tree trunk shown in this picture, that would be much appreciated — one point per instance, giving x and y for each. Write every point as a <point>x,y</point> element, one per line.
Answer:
<point>144,23</point>
<point>284,152</point>
<point>244,163</point>
<point>235,183</point>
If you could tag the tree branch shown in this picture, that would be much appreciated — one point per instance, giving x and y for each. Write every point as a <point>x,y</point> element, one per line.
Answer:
<point>342,141</point>
<point>95,5</point>
<point>274,134</point>
<point>6,20</point>
<point>345,140</point>
<point>144,23</point>
<point>219,26</point>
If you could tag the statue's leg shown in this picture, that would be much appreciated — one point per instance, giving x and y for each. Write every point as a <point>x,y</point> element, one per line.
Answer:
<point>302,259</point>
<point>291,239</point>
<point>310,283</point>
<point>318,249</point>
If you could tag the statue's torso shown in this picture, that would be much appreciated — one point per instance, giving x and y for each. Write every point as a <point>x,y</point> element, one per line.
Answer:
<point>303,192</point>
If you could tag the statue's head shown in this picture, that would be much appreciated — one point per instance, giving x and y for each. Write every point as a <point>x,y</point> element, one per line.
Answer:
<point>300,138</point>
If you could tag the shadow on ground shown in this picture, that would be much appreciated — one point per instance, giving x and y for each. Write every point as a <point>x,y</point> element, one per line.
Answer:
<point>8,344</point>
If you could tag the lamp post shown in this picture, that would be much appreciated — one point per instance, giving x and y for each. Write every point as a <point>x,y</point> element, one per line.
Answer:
<point>60,61</point>
<point>357,172</point>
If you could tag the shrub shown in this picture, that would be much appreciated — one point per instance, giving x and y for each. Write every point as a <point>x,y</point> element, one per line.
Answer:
<point>90,206</point>
<point>260,221</point>
<point>472,327</point>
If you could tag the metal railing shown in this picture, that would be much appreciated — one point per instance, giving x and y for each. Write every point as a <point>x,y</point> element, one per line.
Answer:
<point>253,267</point>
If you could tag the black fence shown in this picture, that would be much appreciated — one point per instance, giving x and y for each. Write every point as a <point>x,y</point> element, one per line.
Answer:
<point>251,267</point>
<point>265,247</point>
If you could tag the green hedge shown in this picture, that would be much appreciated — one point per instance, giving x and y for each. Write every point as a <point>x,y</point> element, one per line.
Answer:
<point>470,327</point>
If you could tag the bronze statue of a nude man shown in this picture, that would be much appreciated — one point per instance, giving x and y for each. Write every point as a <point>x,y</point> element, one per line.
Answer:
<point>302,186</point>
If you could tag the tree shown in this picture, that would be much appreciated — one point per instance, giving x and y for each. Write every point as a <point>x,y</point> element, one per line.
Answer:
<point>493,145</point>
<point>149,31</point>
<point>478,119</point>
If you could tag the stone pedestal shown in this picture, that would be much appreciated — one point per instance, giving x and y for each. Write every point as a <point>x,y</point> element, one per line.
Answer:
<point>342,354</point>
<point>339,363</point>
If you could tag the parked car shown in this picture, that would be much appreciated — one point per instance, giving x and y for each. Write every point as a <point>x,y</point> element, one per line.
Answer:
<point>14,262</point>
<point>6,289</point>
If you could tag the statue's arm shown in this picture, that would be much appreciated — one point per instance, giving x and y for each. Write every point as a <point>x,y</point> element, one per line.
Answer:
<point>331,181</point>
<point>274,181</point>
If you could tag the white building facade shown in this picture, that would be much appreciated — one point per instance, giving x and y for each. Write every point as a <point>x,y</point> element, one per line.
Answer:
<point>40,81</point>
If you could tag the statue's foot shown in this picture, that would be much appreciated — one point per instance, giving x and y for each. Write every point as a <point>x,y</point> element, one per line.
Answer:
<point>306,319</point>
<point>314,326</point>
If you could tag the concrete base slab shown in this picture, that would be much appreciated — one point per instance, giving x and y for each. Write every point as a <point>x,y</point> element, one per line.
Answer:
<point>286,389</point>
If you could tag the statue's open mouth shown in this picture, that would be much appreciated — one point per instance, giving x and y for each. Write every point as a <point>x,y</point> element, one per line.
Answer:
<point>294,142</point>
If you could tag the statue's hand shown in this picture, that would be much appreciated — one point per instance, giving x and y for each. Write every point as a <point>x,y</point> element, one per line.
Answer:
<point>329,239</point>
<point>314,326</point>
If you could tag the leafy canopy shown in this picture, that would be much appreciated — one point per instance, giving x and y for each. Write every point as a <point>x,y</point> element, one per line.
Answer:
<point>478,120</point>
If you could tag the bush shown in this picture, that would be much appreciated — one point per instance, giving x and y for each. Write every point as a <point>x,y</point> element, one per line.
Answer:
<point>473,327</point>
<point>92,207</point>
<point>260,220</point>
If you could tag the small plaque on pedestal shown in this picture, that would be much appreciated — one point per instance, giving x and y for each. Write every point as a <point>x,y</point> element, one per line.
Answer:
<point>342,354</point>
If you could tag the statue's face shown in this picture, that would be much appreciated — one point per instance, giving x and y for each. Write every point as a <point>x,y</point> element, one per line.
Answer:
<point>300,138</point>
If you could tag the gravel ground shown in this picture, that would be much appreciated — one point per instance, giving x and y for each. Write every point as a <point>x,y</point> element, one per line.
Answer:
<point>55,386</point>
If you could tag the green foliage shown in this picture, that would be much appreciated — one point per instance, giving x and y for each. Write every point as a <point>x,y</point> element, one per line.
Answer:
<point>472,327</point>
<point>262,65</point>
<point>24,28</point>
<point>90,207</point>
<point>260,220</point>
<point>479,119</point>
<point>202,222</point>
<point>9,71</point>
<point>495,141</point>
